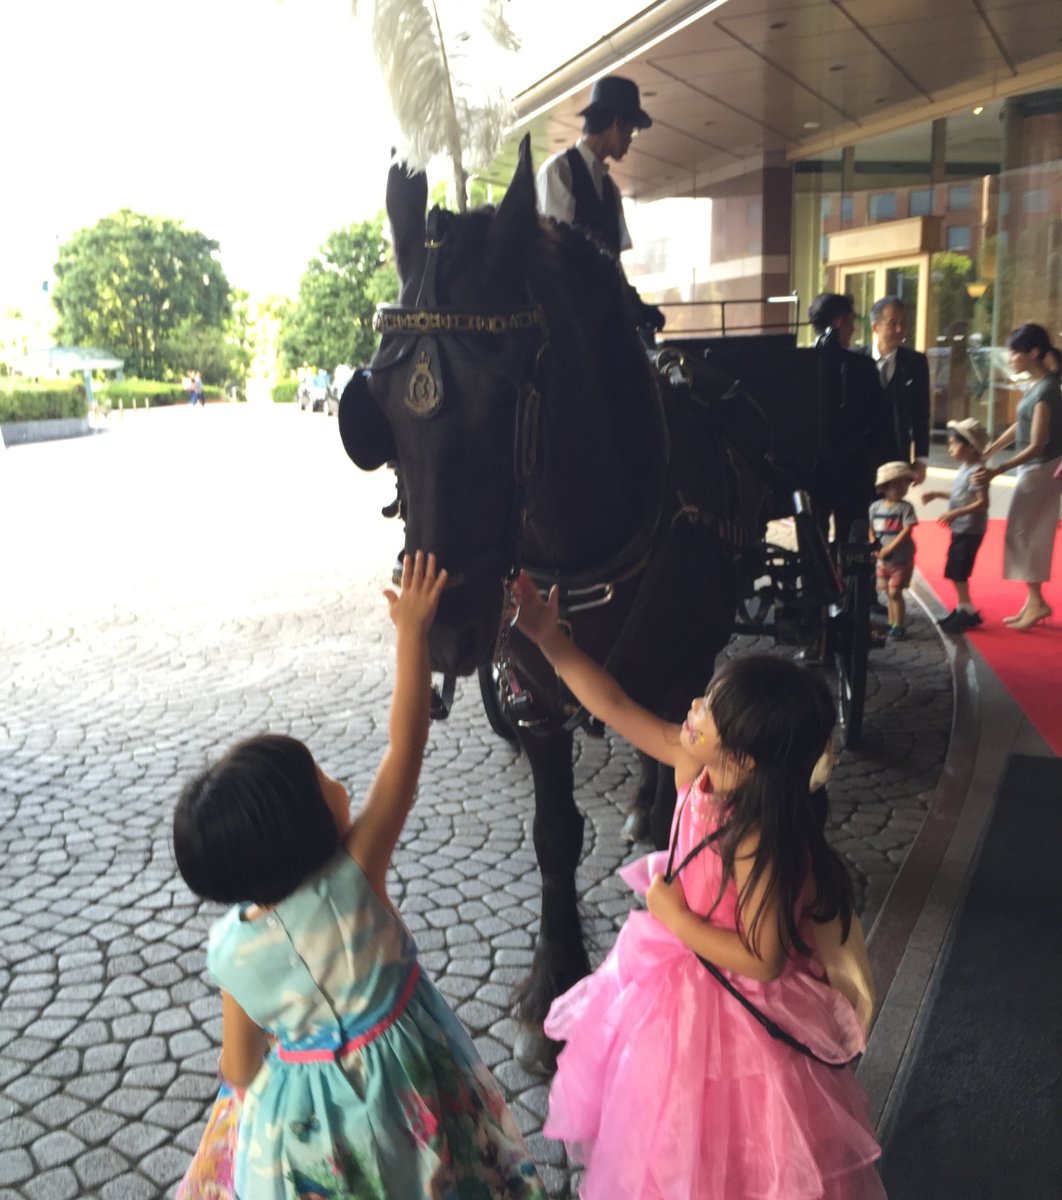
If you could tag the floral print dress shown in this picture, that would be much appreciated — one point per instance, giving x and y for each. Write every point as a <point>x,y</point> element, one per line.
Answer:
<point>374,1090</point>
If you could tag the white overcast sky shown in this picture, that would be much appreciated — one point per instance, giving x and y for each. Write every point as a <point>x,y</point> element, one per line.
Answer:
<point>259,122</point>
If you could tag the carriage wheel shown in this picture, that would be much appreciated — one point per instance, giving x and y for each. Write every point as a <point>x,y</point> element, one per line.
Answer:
<point>852,643</point>
<point>492,704</point>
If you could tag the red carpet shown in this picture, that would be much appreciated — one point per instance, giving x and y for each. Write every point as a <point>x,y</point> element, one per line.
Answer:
<point>1029,665</point>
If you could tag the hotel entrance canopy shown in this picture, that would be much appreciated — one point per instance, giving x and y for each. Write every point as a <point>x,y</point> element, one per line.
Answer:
<point>738,79</point>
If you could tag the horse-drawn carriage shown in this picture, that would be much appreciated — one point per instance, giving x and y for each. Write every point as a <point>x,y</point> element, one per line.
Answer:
<point>531,430</point>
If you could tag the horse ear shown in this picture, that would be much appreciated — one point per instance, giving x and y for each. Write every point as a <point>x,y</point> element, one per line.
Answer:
<point>515,224</point>
<point>407,201</point>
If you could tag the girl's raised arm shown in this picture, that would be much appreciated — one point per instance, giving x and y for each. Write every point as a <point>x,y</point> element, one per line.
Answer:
<point>592,686</point>
<point>378,825</point>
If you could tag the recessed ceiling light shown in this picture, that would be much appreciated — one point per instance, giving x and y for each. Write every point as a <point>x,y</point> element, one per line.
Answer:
<point>811,124</point>
<point>978,110</point>
<point>881,100</point>
<point>648,93</point>
<point>778,24</point>
<point>837,67</point>
<point>709,122</point>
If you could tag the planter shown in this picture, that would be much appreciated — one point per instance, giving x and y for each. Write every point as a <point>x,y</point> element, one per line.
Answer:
<point>18,433</point>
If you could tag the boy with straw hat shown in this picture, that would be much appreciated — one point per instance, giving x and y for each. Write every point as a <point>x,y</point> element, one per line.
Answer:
<point>967,518</point>
<point>892,518</point>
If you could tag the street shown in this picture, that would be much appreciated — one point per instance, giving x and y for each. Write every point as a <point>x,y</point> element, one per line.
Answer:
<point>186,578</point>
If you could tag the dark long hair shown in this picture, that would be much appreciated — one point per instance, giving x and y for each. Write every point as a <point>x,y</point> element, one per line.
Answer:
<point>779,715</point>
<point>1029,337</point>
<point>254,825</point>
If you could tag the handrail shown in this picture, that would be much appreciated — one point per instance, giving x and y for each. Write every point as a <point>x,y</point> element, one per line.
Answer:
<point>790,325</point>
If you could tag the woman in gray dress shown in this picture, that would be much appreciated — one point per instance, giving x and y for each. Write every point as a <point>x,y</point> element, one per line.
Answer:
<point>1037,439</point>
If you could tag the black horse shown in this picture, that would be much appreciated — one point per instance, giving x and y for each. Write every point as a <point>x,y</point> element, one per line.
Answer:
<point>530,428</point>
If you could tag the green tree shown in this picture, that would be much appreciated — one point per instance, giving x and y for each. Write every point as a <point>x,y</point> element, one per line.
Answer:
<point>951,273</point>
<point>479,193</point>
<point>221,355</point>
<point>131,281</point>
<point>331,321</point>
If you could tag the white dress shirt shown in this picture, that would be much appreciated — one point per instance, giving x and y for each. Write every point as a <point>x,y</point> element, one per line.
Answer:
<point>886,364</point>
<point>554,188</point>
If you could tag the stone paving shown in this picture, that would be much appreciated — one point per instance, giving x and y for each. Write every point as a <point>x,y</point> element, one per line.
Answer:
<point>188,578</point>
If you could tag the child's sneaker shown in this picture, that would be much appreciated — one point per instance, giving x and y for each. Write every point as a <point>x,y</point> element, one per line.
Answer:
<point>897,632</point>
<point>947,623</point>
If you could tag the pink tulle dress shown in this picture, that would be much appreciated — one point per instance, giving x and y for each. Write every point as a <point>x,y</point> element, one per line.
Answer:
<point>668,1089</point>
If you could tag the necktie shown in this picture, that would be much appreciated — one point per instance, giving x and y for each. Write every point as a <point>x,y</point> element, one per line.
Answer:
<point>885,367</point>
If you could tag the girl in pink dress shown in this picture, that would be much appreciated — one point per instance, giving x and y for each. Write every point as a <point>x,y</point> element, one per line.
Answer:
<point>669,1087</point>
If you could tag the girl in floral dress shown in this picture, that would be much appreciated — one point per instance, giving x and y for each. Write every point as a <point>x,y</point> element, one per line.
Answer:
<point>372,1089</point>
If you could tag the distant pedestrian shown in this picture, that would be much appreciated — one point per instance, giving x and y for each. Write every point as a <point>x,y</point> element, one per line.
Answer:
<point>197,384</point>
<point>188,386</point>
<point>892,521</point>
<point>373,1089</point>
<point>967,518</point>
<point>1037,438</point>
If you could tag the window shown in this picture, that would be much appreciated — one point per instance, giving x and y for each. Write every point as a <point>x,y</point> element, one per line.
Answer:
<point>826,206</point>
<point>883,206</point>
<point>1034,201</point>
<point>1004,204</point>
<point>959,237</point>
<point>960,197</point>
<point>847,208</point>
<point>921,202</point>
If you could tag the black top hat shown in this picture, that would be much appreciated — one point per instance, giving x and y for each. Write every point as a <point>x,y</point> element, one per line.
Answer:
<point>615,94</point>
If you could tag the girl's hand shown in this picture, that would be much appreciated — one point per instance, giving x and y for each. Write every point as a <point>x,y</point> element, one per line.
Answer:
<point>946,518</point>
<point>983,476</point>
<point>422,585</point>
<point>667,901</point>
<point>537,619</point>
<point>882,553</point>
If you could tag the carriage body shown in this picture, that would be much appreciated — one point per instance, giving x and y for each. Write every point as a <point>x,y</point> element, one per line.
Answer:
<point>812,422</point>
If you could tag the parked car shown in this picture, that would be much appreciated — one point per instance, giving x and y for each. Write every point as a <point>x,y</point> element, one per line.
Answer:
<point>313,392</point>
<point>343,375</point>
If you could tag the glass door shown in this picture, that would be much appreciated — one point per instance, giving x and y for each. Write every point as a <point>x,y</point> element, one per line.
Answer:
<point>861,286</point>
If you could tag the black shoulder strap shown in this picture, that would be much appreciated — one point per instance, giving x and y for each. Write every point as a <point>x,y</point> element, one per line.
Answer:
<point>775,1030</point>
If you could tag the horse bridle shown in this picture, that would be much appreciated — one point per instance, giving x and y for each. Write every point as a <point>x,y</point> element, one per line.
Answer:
<point>426,319</point>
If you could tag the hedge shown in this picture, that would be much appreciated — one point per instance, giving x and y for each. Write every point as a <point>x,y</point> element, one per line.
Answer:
<point>130,393</point>
<point>26,400</point>
<point>285,391</point>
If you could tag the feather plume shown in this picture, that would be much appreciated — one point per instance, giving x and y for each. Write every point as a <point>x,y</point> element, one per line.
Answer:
<point>445,85</point>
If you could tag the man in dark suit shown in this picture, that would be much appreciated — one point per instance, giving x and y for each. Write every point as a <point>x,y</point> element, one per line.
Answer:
<point>844,477</point>
<point>902,430</point>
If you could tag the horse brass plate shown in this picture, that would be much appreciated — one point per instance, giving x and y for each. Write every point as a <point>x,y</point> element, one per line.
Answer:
<point>422,392</point>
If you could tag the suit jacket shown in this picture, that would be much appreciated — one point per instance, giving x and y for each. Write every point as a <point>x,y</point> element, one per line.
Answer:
<point>904,415</point>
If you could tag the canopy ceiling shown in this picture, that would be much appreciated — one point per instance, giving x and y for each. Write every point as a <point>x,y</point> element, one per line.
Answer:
<point>741,78</point>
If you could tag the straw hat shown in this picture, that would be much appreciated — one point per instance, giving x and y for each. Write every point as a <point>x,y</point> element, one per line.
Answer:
<point>972,431</point>
<point>890,471</point>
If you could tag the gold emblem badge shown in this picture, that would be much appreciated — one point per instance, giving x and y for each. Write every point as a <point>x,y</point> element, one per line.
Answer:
<point>422,393</point>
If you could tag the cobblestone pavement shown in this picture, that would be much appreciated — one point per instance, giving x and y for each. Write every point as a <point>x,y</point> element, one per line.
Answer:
<point>188,578</point>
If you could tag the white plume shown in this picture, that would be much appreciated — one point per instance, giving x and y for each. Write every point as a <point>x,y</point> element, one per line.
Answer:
<point>445,81</point>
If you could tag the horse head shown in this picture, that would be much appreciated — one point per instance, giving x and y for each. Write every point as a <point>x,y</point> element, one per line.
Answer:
<point>482,395</point>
